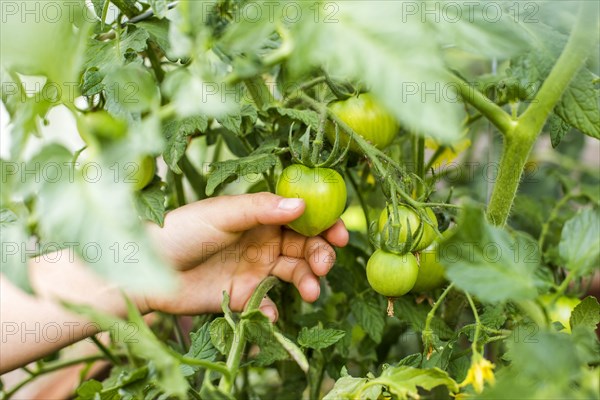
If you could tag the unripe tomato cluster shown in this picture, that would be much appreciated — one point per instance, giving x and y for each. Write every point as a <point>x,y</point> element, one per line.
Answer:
<point>394,275</point>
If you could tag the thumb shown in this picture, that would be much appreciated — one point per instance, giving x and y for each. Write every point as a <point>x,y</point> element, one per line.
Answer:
<point>243,212</point>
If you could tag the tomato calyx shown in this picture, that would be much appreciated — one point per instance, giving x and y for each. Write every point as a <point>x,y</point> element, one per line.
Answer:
<point>312,148</point>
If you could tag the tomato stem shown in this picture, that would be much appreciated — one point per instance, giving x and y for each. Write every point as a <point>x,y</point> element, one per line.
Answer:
<point>239,334</point>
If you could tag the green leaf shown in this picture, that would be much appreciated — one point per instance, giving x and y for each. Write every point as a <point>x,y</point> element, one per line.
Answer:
<point>177,133</point>
<point>13,245</point>
<point>150,203</point>
<point>30,44</point>
<point>106,55</point>
<point>319,338</point>
<point>221,335</point>
<point>586,314</point>
<point>370,315</point>
<point>130,89</point>
<point>307,117</point>
<point>471,27</point>
<point>223,171</point>
<point>98,7</point>
<point>158,31</point>
<point>159,7</point>
<point>403,381</point>
<point>580,242</point>
<point>136,335</point>
<point>579,105</point>
<point>103,227</point>
<point>88,390</point>
<point>558,129</point>
<point>195,94</point>
<point>347,386</point>
<point>531,358</point>
<point>490,263</point>
<point>406,309</point>
<point>365,41</point>
<point>201,348</point>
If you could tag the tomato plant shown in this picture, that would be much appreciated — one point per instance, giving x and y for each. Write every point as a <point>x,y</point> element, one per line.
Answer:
<point>458,120</point>
<point>323,191</point>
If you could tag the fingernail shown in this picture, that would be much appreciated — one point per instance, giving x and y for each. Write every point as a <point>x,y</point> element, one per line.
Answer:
<point>290,204</point>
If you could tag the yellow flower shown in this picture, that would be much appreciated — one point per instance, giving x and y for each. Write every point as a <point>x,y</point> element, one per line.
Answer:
<point>479,373</point>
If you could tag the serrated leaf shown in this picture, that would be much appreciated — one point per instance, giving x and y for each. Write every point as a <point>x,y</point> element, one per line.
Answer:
<point>415,314</point>
<point>177,134</point>
<point>221,335</point>
<point>579,106</point>
<point>370,315</point>
<point>558,129</point>
<point>130,89</point>
<point>159,7</point>
<point>224,170</point>
<point>580,242</point>
<point>158,31</point>
<point>319,338</point>
<point>586,314</point>
<point>201,348</point>
<point>490,263</point>
<point>261,332</point>
<point>150,203</point>
<point>106,55</point>
<point>307,117</point>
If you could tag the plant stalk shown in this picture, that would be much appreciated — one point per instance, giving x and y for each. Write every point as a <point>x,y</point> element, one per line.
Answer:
<point>520,137</point>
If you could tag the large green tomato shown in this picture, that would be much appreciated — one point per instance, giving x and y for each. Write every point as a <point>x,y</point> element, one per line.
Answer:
<point>323,191</point>
<point>390,274</point>
<point>560,310</point>
<point>142,173</point>
<point>421,237</point>
<point>367,117</point>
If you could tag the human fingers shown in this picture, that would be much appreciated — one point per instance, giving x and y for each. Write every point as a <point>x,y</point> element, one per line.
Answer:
<point>337,235</point>
<point>298,272</point>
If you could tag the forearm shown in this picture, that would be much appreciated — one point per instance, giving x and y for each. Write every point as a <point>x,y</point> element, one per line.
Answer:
<point>34,326</point>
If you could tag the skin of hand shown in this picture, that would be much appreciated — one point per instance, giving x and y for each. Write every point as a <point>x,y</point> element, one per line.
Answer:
<point>231,243</point>
<point>227,243</point>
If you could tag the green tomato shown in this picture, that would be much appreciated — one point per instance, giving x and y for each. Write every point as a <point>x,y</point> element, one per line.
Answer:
<point>100,125</point>
<point>431,271</point>
<point>323,191</point>
<point>560,310</point>
<point>142,173</point>
<point>367,117</point>
<point>421,237</point>
<point>354,219</point>
<point>390,274</point>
